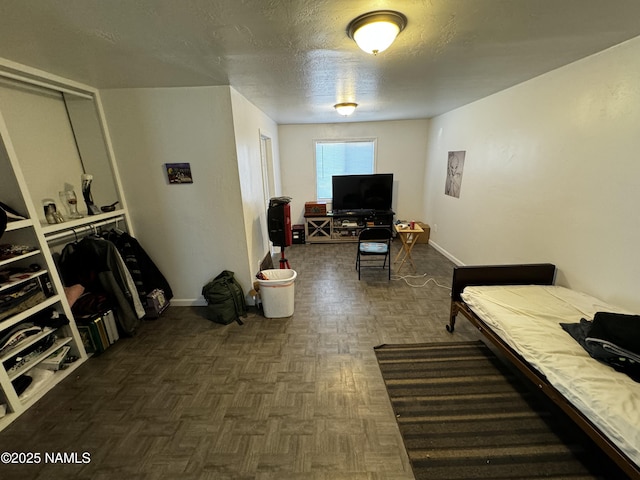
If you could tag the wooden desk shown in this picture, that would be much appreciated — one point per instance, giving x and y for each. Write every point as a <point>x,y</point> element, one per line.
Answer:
<point>408,236</point>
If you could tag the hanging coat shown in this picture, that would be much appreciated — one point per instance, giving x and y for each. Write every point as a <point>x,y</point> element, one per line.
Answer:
<point>145,273</point>
<point>96,264</point>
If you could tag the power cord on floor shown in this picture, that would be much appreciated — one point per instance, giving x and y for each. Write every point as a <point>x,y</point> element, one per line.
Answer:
<point>430,279</point>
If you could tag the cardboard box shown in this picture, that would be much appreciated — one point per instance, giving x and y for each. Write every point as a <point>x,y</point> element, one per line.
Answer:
<point>55,361</point>
<point>424,237</point>
<point>315,209</point>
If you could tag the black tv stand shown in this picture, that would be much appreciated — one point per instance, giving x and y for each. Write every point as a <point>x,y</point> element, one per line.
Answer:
<point>345,225</point>
<point>351,213</point>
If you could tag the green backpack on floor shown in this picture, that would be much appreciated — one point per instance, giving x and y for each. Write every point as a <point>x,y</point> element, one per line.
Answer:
<point>225,299</point>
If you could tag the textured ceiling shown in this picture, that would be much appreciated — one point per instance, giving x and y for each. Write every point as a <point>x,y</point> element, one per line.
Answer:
<point>293,59</point>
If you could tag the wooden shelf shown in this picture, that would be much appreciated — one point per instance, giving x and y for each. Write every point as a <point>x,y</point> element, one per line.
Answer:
<point>29,364</point>
<point>57,377</point>
<point>18,224</point>
<point>80,222</point>
<point>19,317</point>
<point>25,343</point>
<point>19,278</point>
<point>19,257</point>
<point>329,228</point>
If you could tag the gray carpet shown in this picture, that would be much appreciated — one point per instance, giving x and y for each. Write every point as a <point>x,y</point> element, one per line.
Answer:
<point>464,415</point>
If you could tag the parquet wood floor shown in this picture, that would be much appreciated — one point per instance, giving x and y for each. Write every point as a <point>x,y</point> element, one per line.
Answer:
<point>293,398</point>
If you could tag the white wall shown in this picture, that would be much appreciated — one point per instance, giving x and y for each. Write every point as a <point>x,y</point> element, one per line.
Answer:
<point>249,123</point>
<point>401,150</point>
<point>191,231</point>
<point>551,175</point>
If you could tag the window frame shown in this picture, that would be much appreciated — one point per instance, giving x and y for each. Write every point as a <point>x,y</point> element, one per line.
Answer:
<point>373,140</point>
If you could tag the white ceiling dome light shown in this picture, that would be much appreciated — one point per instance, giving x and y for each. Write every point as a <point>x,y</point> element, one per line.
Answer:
<point>374,32</point>
<point>346,108</point>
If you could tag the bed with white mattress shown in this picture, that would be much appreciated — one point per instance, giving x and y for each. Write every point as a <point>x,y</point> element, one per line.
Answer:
<point>519,309</point>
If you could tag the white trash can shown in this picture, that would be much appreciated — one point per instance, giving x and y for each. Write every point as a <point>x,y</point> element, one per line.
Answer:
<point>277,292</point>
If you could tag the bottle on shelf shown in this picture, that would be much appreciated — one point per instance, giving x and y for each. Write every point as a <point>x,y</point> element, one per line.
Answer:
<point>70,201</point>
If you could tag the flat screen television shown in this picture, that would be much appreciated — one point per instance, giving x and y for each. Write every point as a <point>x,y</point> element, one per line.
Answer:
<point>362,192</point>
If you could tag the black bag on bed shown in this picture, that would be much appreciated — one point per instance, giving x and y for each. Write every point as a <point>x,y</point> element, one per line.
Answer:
<point>619,329</point>
<point>611,338</point>
<point>225,299</point>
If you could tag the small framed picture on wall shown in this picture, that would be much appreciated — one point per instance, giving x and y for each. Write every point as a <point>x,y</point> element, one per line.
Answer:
<point>179,172</point>
<point>455,168</point>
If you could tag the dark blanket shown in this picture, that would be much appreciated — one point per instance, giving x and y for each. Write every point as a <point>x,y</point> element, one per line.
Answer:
<point>611,338</point>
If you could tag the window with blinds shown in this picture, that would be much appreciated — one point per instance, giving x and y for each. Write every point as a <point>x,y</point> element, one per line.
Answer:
<point>353,157</point>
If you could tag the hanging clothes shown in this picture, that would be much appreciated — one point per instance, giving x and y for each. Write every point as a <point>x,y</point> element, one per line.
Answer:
<point>145,273</point>
<point>96,264</point>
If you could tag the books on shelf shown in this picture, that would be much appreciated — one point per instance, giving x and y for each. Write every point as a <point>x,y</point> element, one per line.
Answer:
<point>98,332</point>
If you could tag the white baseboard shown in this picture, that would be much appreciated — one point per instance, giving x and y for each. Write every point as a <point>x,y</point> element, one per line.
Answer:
<point>201,302</point>
<point>188,302</point>
<point>445,253</point>
<point>196,302</point>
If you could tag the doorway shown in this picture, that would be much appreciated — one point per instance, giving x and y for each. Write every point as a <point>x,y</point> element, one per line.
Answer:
<point>268,184</point>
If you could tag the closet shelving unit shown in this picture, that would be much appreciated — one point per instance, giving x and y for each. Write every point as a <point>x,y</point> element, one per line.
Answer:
<point>52,130</point>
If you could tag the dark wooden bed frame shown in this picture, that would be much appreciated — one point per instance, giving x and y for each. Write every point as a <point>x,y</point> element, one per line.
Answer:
<point>527,274</point>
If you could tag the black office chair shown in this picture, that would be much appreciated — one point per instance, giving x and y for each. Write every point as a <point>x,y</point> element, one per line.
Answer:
<point>374,242</point>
